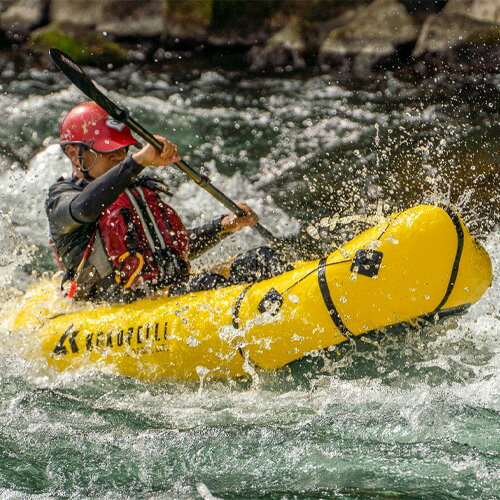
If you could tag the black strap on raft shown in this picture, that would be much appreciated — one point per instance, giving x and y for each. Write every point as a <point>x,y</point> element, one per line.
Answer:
<point>237,306</point>
<point>460,245</point>
<point>327,299</point>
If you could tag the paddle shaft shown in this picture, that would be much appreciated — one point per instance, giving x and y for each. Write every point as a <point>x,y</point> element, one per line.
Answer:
<point>200,179</point>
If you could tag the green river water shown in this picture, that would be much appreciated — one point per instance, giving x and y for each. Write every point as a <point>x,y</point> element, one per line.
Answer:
<point>415,417</point>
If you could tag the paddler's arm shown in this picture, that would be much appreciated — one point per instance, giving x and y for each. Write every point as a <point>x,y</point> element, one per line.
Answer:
<point>90,203</point>
<point>69,205</point>
<point>205,237</point>
<point>104,190</point>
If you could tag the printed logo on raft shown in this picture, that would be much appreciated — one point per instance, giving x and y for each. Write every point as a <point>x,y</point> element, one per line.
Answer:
<point>134,337</point>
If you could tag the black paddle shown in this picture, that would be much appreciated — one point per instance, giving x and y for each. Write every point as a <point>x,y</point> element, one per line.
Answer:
<point>79,78</point>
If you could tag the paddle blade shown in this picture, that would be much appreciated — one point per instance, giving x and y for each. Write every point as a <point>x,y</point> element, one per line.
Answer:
<point>80,79</point>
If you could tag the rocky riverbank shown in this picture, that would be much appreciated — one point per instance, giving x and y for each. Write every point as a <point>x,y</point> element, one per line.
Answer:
<point>352,38</point>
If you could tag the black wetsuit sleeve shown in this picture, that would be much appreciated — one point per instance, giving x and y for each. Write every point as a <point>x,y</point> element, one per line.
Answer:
<point>204,237</point>
<point>90,203</point>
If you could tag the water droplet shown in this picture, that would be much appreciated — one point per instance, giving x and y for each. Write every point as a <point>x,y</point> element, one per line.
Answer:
<point>192,342</point>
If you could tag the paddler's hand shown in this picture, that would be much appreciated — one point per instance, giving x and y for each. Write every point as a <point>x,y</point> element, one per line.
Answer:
<point>232,223</point>
<point>150,156</point>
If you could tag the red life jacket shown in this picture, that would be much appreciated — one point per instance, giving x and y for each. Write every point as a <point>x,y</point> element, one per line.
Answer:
<point>140,233</point>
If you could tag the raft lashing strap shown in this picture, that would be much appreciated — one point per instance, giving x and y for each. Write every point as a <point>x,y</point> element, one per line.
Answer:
<point>327,299</point>
<point>370,261</point>
<point>460,245</point>
<point>239,300</point>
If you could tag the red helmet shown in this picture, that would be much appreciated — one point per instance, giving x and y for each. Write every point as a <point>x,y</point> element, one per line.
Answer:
<point>88,124</point>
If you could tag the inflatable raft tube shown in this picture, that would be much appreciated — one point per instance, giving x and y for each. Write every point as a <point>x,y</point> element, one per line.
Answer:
<point>419,262</point>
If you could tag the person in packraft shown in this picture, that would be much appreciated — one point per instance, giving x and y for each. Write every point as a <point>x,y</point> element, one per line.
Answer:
<point>111,231</point>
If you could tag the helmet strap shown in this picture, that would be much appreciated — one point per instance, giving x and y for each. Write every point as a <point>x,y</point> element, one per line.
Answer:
<point>81,168</point>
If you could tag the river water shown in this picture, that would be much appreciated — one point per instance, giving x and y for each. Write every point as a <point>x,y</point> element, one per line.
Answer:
<point>417,417</point>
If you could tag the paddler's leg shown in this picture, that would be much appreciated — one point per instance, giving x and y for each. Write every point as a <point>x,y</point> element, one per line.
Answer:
<point>256,265</point>
<point>198,282</point>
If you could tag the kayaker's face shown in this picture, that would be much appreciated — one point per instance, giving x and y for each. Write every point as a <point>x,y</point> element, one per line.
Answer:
<point>96,163</point>
<point>100,163</point>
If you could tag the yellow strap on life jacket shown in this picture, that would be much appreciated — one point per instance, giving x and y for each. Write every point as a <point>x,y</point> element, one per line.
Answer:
<point>134,275</point>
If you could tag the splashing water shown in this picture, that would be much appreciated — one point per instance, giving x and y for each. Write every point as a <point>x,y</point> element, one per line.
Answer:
<point>409,415</point>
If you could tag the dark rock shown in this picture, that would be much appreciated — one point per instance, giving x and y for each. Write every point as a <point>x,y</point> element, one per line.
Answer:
<point>464,38</point>
<point>187,19</point>
<point>19,17</point>
<point>85,47</point>
<point>480,56</point>
<point>85,13</point>
<point>443,32</point>
<point>459,44</point>
<point>284,50</point>
<point>321,29</point>
<point>274,58</point>
<point>243,24</point>
<point>481,10</point>
<point>142,19</point>
<point>374,34</point>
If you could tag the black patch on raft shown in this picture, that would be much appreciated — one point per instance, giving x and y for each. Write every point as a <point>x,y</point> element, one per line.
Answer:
<point>271,302</point>
<point>367,262</point>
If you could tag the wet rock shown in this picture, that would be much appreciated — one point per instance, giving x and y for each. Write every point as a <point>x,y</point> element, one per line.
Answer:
<point>321,29</point>
<point>292,36</point>
<point>374,34</point>
<point>465,37</point>
<point>19,16</point>
<point>186,19</point>
<point>284,49</point>
<point>274,58</point>
<point>85,47</point>
<point>442,32</point>
<point>480,10</point>
<point>87,13</point>
<point>318,10</point>
<point>132,19</point>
